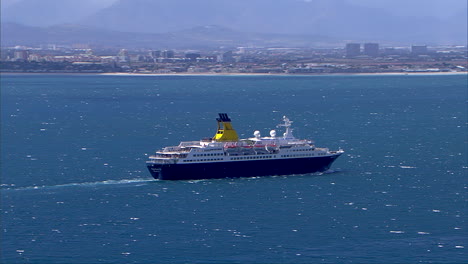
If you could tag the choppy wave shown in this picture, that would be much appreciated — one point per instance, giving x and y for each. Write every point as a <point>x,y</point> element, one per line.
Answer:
<point>81,184</point>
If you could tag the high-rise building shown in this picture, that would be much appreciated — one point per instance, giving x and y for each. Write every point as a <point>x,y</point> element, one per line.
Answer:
<point>353,49</point>
<point>155,53</point>
<point>226,57</point>
<point>123,55</point>
<point>192,56</point>
<point>167,54</point>
<point>371,49</point>
<point>21,55</point>
<point>418,49</point>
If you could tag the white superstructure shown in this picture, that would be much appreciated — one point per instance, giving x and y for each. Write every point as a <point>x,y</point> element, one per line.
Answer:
<point>255,148</point>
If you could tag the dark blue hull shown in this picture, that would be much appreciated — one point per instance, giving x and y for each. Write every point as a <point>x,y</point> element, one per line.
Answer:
<point>236,169</point>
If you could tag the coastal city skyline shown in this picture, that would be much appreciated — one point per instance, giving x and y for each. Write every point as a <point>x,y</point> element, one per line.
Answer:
<point>258,36</point>
<point>351,58</point>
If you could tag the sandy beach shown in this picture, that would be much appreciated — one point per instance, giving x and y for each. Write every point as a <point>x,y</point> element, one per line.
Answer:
<point>238,74</point>
<point>235,74</point>
<point>279,74</point>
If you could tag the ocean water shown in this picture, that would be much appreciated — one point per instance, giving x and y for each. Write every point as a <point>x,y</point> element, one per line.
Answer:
<point>74,187</point>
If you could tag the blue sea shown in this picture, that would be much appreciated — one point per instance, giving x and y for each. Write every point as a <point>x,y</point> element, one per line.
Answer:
<point>75,189</point>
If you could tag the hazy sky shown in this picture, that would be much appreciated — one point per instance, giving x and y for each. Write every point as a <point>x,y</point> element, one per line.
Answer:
<point>436,8</point>
<point>94,3</point>
<point>441,21</point>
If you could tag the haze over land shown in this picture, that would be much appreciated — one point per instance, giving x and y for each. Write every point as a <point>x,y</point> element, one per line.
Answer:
<point>293,22</point>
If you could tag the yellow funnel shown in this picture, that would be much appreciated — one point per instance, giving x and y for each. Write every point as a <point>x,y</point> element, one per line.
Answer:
<point>225,131</point>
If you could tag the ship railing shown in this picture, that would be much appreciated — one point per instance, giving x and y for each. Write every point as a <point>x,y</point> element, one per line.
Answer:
<point>189,143</point>
<point>322,149</point>
<point>175,149</point>
<point>172,149</point>
<point>173,155</point>
<point>162,161</point>
<point>299,142</point>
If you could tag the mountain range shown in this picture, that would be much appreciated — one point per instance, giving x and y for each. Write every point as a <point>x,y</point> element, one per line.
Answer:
<point>264,22</point>
<point>203,37</point>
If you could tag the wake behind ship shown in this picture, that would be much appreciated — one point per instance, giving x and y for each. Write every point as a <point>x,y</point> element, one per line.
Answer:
<point>227,156</point>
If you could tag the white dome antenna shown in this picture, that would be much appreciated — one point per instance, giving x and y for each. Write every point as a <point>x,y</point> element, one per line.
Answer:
<point>257,134</point>
<point>273,133</point>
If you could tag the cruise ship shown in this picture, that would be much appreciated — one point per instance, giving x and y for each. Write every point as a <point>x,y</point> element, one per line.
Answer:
<point>227,156</point>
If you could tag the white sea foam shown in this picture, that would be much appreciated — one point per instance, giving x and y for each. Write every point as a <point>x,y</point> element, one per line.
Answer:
<point>83,184</point>
<point>329,171</point>
<point>407,167</point>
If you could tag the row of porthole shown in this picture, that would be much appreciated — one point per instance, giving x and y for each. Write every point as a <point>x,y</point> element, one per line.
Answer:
<point>209,154</point>
<point>252,157</point>
<point>302,150</point>
<point>298,155</point>
<point>201,160</point>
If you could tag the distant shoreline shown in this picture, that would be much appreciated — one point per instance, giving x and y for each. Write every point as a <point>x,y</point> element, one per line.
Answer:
<point>237,74</point>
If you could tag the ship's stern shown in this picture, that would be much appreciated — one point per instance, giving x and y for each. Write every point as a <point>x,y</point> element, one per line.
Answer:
<point>155,170</point>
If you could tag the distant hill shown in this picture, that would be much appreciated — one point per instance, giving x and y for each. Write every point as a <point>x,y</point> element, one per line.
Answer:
<point>198,37</point>
<point>336,18</point>
<point>16,34</point>
<point>290,21</point>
